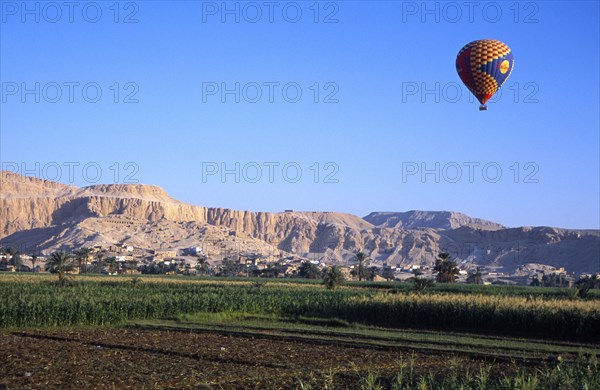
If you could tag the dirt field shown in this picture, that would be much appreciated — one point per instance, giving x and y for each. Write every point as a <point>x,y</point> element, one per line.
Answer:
<point>135,358</point>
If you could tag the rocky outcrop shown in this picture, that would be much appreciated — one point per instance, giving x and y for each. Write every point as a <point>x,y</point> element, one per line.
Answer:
<point>48,215</point>
<point>429,219</point>
<point>29,203</point>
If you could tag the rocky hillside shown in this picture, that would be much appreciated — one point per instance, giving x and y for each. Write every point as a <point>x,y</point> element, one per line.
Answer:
<point>415,219</point>
<point>48,215</point>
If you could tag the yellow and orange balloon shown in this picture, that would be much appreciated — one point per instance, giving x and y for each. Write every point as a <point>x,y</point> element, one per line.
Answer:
<point>483,66</point>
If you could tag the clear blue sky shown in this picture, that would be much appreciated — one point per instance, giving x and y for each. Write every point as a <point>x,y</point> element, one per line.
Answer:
<point>374,57</point>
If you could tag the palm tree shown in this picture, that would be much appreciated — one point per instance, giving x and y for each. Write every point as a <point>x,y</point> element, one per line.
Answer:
<point>202,265</point>
<point>82,256</point>
<point>112,265</point>
<point>332,277</point>
<point>17,261</point>
<point>309,270</point>
<point>15,257</point>
<point>34,258</point>
<point>363,260</point>
<point>446,269</point>
<point>99,263</point>
<point>60,263</point>
<point>475,277</point>
<point>388,273</point>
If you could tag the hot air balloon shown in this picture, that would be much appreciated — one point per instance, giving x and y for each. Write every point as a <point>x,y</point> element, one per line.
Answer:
<point>483,66</point>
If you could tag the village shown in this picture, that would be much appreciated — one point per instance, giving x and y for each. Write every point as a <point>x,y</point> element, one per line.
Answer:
<point>125,259</point>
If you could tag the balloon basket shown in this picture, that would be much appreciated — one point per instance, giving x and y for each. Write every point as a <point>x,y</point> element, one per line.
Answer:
<point>483,107</point>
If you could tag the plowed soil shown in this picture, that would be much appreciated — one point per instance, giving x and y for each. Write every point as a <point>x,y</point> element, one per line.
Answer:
<point>136,358</point>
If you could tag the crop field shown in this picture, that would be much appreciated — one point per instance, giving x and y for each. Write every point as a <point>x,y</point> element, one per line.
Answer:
<point>185,332</point>
<point>30,301</point>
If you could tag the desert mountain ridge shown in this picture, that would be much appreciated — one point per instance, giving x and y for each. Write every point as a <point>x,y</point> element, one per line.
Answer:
<point>417,219</point>
<point>50,215</point>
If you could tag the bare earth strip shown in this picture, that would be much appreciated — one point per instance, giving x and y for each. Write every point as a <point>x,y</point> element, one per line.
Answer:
<point>138,358</point>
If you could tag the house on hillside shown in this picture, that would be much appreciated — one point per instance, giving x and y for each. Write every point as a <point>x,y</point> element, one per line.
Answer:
<point>123,258</point>
<point>194,251</point>
<point>127,248</point>
<point>165,254</point>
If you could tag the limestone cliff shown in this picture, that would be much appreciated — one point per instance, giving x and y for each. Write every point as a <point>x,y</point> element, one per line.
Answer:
<point>48,215</point>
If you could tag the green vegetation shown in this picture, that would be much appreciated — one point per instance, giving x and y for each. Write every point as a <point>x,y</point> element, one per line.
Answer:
<point>60,263</point>
<point>309,271</point>
<point>586,284</point>
<point>81,256</point>
<point>334,330</point>
<point>332,278</point>
<point>475,277</point>
<point>361,269</point>
<point>466,336</point>
<point>387,274</point>
<point>447,270</point>
<point>36,300</point>
<point>581,374</point>
<point>469,361</point>
<point>202,266</point>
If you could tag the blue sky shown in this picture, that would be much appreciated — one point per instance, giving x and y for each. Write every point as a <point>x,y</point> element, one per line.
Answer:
<point>380,102</point>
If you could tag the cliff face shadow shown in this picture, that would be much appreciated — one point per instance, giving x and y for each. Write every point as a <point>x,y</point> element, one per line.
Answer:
<point>32,240</point>
<point>74,210</point>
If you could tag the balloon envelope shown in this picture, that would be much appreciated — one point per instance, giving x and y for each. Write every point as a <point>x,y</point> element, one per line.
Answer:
<point>483,66</point>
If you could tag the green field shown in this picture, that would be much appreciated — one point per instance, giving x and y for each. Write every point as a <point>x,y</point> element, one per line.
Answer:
<point>36,300</point>
<point>517,327</point>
